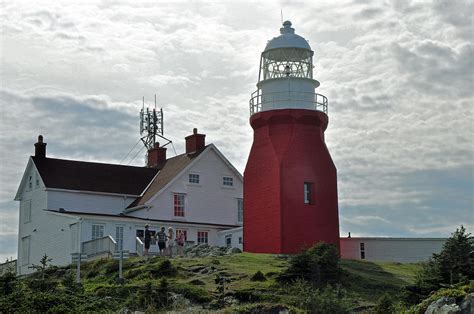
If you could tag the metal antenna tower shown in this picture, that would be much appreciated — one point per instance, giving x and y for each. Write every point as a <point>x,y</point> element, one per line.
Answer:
<point>151,126</point>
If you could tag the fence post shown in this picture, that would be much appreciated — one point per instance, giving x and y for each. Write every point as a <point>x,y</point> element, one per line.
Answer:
<point>78,274</point>
<point>120,264</point>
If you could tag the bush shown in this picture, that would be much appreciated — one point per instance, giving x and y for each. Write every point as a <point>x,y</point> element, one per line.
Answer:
<point>454,264</point>
<point>165,269</point>
<point>258,276</point>
<point>318,265</point>
<point>316,300</point>
<point>384,305</point>
<point>7,282</point>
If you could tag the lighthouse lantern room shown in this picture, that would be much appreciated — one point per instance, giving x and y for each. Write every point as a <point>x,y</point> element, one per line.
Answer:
<point>290,186</point>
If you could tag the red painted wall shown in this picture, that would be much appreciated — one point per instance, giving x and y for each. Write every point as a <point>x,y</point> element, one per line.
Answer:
<point>288,150</point>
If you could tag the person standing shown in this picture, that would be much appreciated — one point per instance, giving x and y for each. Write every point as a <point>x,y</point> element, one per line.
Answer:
<point>180,242</point>
<point>170,242</point>
<point>147,239</point>
<point>162,240</point>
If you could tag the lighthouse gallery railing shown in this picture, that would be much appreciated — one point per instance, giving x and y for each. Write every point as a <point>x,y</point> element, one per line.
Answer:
<point>319,102</point>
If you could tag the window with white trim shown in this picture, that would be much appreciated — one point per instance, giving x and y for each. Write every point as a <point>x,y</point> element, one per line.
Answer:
<point>240,240</point>
<point>119,238</point>
<point>193,178</point>
<point>30,182</point>
<point>37,180</point>
<point>227,181</point>
<point>97,231</point>
<point>26,211</point>
<point>25,250</point>
<point>178,202</point>
<point>202,237</point>
<point>240,210</point>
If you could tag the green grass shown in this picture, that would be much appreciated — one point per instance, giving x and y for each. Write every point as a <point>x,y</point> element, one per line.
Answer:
<point>369,280</point>
<point>363,281</point>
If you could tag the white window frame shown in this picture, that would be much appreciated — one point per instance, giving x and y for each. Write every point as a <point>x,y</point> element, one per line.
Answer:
<point>194,178</point>
<point>240,210</point>
<point>227,181</point>
<point>97,234</point>
<point>26,211</point>
<point>25,250</point>
<point>202,236</point>
<point>179,207</point>
<point>118,238</point>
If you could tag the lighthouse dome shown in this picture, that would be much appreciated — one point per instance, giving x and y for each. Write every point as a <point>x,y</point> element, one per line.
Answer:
<point>287,39</point>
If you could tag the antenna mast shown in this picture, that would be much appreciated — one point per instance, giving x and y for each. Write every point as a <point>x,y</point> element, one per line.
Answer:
<point>151,126</point>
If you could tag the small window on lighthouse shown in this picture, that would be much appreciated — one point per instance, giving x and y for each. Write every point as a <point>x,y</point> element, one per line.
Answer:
<point>308,197</point>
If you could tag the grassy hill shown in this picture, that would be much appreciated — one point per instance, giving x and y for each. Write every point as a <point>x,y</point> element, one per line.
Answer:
<point>190,283</point>
<point>363,282</point>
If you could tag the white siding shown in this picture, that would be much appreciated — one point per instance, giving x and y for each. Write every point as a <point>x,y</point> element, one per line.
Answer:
<point>403,250</point>
<point>49,234</point>
<point>88,202</point>
<point>235,234</point>
<point>207,202</point>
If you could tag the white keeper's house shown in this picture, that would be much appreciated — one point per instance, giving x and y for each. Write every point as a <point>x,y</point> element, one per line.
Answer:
<point>68,206</point>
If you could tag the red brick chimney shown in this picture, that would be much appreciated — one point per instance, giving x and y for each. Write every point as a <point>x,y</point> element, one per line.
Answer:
<point>195,142</point>
<point>156,156</point>
<point>40,148</point>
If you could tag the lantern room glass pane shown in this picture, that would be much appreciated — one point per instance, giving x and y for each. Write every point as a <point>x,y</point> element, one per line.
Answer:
<point>290,62</point>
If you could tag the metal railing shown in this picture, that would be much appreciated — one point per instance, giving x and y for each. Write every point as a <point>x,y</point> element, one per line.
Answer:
<point>139,246</point>
<point>98,246</point>
<point>317,101</point>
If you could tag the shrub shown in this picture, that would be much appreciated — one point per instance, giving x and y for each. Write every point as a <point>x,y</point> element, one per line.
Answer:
<point>327,300</point>
<point>70,284</point>
<point>7,282</point>
<point>454,264</point>
<point>258,276</point>
<point>318,265</point>
<point>164,269</point>
<point>384,305</point>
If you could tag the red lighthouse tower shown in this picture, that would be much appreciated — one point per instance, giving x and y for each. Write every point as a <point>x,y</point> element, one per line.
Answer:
<point>290,181</point>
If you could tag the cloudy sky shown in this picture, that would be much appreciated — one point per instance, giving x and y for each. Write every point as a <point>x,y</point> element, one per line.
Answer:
<point>398,75</point>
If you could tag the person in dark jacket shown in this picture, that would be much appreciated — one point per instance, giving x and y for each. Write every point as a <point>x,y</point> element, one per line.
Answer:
<point>147,239</point>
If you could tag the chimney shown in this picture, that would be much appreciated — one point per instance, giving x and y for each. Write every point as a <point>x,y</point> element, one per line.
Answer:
<point>195,142</point>
<point>40,148</point>
<point>156,156</point>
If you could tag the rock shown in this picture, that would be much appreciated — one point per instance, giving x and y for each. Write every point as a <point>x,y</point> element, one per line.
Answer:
<point>444,305</point>
<point>204,250</point>
<point>467,305</point>
<point>233,250</point>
